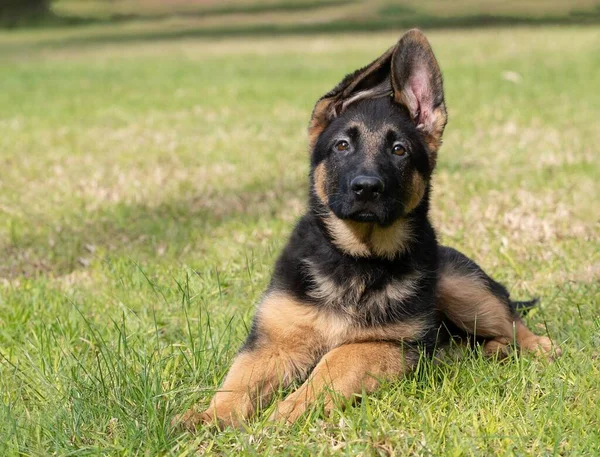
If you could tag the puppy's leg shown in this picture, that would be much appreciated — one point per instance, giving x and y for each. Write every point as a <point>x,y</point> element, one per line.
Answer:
<point>477,304</point>
<point>282,346</point>
<point>345,371</point>
<point>253,377</point>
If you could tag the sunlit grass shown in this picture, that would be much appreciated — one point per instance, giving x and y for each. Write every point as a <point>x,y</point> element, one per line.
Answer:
<point>146,188</point>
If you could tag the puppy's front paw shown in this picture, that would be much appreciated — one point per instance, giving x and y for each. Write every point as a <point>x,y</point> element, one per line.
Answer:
<point>295,405</point>
<point>289,410</point>
<point>543,346</point>
<point>190,420</point>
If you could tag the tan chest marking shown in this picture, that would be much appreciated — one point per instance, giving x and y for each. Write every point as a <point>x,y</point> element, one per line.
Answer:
<point>364,240</point>
<point>390,241</point>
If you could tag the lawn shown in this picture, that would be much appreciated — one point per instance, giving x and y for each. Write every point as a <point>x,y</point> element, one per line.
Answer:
<point>146,188</point>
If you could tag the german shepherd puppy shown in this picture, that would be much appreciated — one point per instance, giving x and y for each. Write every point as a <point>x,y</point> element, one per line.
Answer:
<point>363,287</point>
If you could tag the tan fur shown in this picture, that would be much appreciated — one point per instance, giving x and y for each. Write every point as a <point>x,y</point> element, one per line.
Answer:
<point>467,302</point>
<point>320,177</point>
<point>390,241</point>
<point>529,341</point>
<point>345,371</point>
<point>418,187</point>
<point>361,239</point>
<point>348,236</point>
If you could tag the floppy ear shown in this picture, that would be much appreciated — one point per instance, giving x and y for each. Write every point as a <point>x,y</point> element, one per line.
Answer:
<point>369,82</point>
<point>417,84</point>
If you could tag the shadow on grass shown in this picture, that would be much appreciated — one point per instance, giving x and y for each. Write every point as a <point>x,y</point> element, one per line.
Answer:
<point>56,20</point>
<point>478,21</point>
<point>388,18</point>
<point>171,229</point>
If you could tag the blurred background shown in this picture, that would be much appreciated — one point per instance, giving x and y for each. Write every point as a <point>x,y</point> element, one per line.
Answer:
<point>178,18</point>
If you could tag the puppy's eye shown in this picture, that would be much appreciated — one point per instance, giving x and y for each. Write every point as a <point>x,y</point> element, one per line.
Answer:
<point>342,146</point>
<point>398,149</point>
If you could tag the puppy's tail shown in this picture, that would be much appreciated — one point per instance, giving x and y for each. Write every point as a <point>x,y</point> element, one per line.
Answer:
<point>523,307</point>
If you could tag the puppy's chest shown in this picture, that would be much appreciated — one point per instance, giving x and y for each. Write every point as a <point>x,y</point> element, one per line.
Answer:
<point>367,295</point>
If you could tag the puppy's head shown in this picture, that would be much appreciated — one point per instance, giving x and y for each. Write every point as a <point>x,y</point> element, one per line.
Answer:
<point>375,136</point>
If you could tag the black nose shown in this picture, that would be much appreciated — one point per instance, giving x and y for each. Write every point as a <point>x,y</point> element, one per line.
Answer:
<point>367,187</point>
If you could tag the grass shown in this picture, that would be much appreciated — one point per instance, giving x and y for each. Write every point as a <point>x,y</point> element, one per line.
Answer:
<point>146,188</point>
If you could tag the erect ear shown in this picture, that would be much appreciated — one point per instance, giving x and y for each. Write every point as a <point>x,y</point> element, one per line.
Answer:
<point>417,84</point>
<point>368,82</point>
